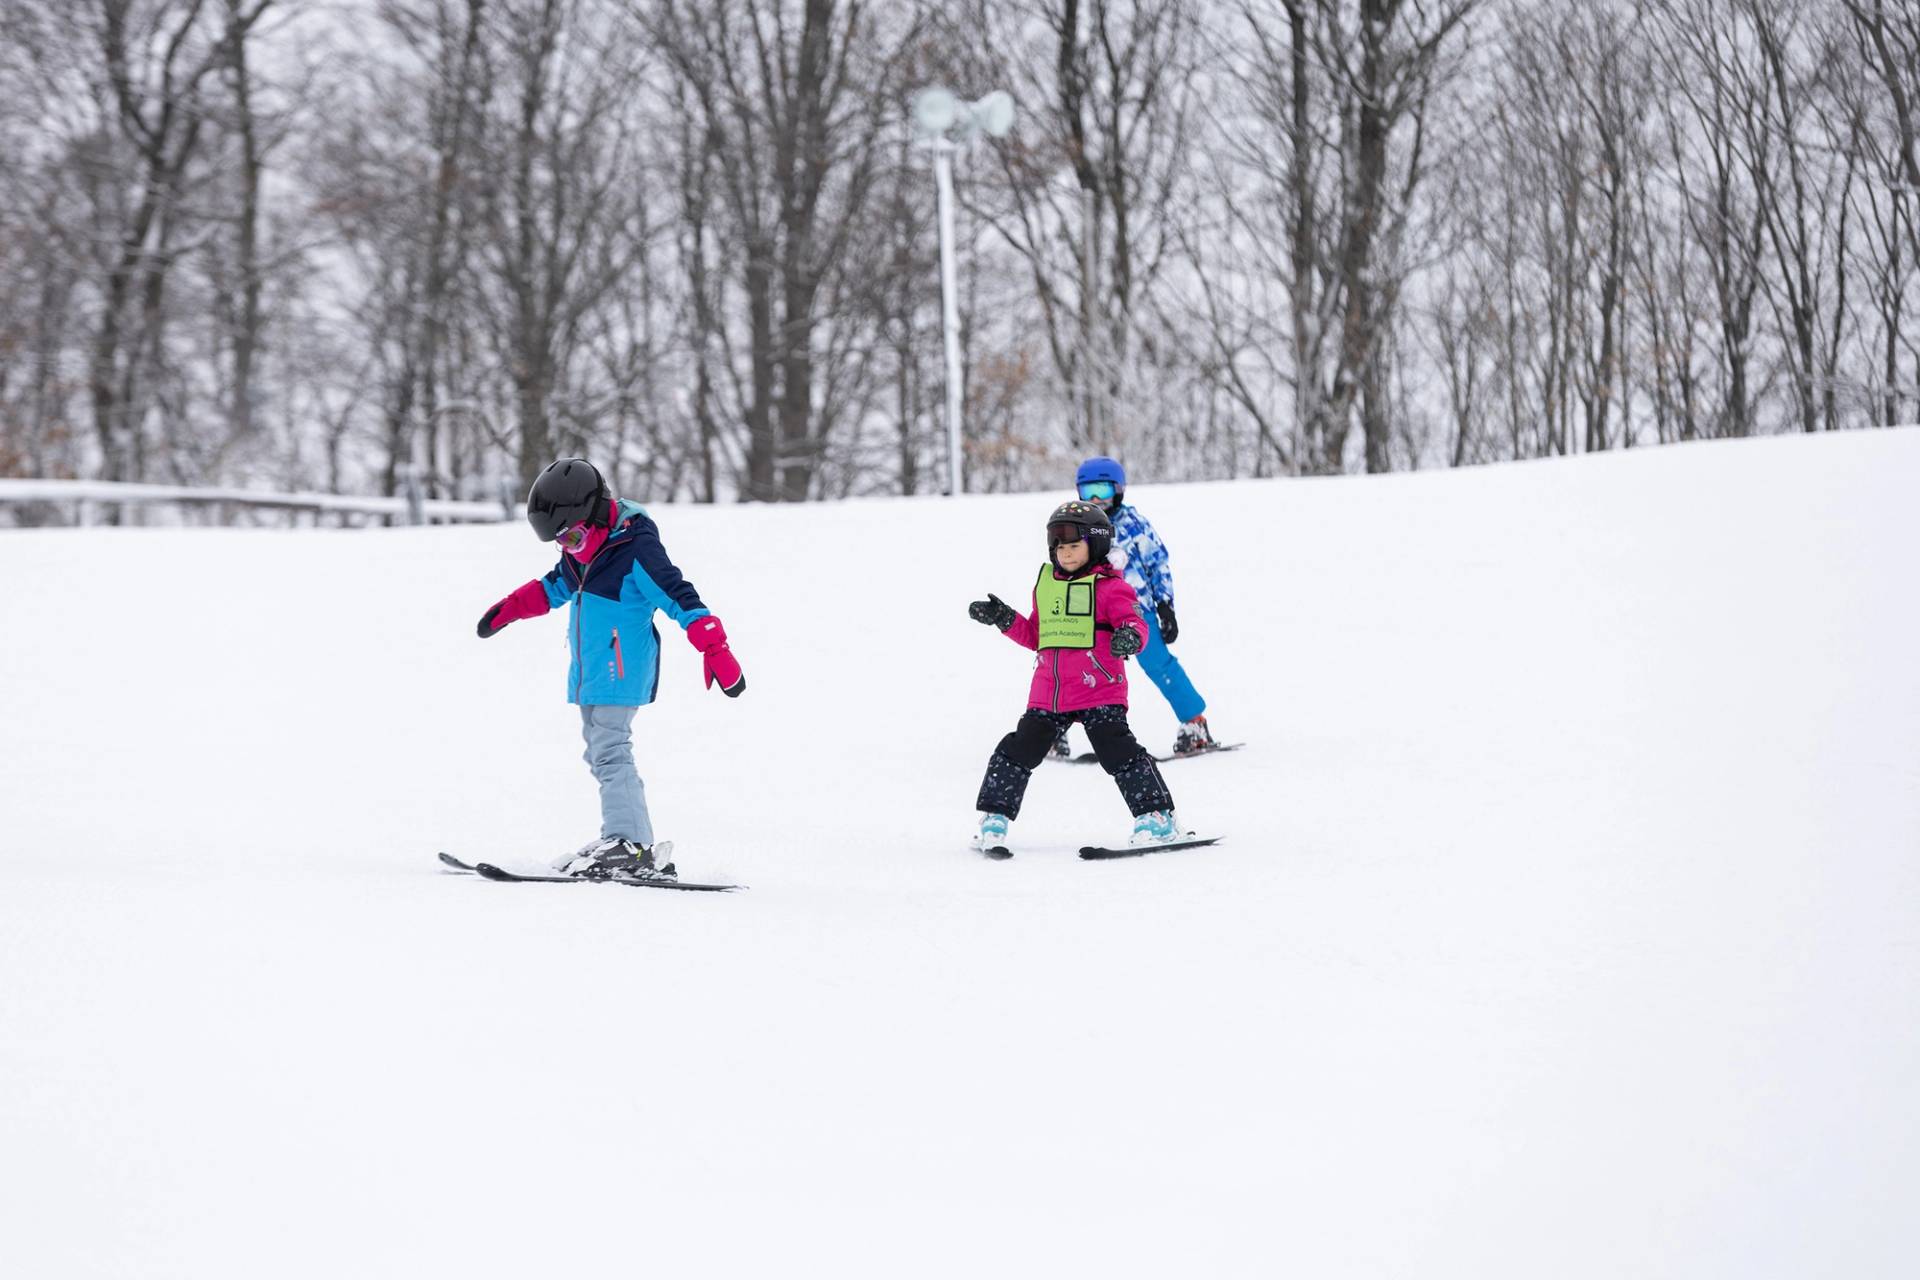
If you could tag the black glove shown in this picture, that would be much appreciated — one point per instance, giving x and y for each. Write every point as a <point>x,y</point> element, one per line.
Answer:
<point>1126,641</point>
<point>993,611</point>
<point>486,628</point>
<point>1169,625</point>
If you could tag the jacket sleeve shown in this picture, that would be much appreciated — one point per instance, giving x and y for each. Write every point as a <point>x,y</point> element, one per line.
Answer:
<point>1024,632</point>
<point>1154,567</point>
<point>1114,604</point>
<point>555,582</point>
<point>659,581</point>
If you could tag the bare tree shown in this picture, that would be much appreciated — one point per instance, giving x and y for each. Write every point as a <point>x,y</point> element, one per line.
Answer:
<point>1804,192</point>
<point>791,98</point>
<point>397,178</point>
<point>1569,119</point>
<point>1332,133</point>
<point>1879,92</point>
<point>562,224</point>
<point>1106,90</point>
<point>156,61</point>
<point>1725,214</point>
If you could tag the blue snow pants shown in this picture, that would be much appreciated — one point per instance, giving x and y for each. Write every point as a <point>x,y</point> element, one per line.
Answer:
<point>623,798</point>
<point>1161,667</point>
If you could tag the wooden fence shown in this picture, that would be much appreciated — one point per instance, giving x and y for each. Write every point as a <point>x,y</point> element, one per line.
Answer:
<point>87,500</point>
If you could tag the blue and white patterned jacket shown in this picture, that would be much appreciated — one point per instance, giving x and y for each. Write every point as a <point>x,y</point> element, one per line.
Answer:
<point>1146,558</point>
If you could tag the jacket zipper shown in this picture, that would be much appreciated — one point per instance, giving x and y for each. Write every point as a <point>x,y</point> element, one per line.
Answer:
<point>1097,667</point>
<point>619,663</point>
<point>579,597</point>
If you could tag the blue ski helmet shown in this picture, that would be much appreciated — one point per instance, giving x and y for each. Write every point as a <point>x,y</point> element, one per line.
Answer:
<point>1096,471</point>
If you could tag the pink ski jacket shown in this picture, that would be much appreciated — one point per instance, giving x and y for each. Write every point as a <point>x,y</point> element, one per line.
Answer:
<point>1075,679</point>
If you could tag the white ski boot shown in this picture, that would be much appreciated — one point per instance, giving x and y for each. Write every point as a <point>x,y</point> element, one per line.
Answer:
<point>1156,828</point>
<point>1194,737</point>
<point>992,836</point>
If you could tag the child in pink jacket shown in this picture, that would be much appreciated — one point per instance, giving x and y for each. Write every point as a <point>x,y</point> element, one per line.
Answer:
<point>1084,626</point>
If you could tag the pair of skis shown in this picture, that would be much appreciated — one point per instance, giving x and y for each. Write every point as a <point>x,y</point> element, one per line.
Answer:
<point>1098,853</point>
<point>999,853</point>
<point>487,871</point>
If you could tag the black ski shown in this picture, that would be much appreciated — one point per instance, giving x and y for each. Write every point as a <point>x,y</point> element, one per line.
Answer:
<point>1087,757</point>
<point>1095,852</point>
<point>486,870</point>
<point>998,852</point>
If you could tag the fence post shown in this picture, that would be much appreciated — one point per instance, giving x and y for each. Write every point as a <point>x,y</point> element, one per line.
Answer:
<point>416,497</point>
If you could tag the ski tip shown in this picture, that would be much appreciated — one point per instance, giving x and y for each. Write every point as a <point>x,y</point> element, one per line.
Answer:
<point>663,883</point>
<point>492,872</point>
<point>999,853</point>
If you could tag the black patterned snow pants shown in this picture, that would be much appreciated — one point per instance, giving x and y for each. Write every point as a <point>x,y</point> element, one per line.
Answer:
<point>1127,762</point>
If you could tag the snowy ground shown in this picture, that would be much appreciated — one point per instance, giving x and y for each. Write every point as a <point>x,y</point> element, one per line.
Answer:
<point>1568,922</point>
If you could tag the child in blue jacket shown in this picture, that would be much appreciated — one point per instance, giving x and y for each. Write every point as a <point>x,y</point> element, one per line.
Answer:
<point>615,575</point>
<point>1103,481</point>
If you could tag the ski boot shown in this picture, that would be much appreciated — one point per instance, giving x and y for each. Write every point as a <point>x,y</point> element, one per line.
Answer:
<point>1194,738</point>
<point>1060,750</point>
<point>1158,827</point>
<point>617,858</point>
<point>992,836</point>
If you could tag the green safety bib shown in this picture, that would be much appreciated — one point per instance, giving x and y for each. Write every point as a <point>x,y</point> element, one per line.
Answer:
<point>1064,610</point>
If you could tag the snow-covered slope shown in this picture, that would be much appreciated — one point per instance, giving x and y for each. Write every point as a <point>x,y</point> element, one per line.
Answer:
<point>1568,921</point>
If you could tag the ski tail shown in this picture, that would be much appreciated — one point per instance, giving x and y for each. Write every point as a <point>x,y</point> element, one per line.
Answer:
<point>1096,853</point>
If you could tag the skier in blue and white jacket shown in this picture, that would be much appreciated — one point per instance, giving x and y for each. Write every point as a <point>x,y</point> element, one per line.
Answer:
<point>1103,481</point>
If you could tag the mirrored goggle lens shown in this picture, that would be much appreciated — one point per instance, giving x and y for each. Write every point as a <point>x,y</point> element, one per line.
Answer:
<point>1064,532</point>
<point>574,538</point>
<point>1097,490</point>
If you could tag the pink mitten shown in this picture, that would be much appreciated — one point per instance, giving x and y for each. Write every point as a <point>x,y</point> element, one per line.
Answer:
<point>529,601</point>
<point>716,660</point>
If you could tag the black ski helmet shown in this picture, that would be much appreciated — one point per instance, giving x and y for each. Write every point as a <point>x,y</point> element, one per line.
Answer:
<point>569,491</point>
<point>1087,523</point>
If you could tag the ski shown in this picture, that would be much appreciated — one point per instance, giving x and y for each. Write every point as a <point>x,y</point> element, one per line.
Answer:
<point>998,852</point>
<point>491,872</point>
<point>1088,757</point>
<point>1095,852</point>
<point>487,871</point>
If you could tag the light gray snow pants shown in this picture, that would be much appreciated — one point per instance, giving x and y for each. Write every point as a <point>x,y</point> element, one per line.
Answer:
<point>623,798</point>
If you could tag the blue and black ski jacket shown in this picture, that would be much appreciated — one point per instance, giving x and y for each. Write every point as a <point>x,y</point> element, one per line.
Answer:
<point>615,646</point>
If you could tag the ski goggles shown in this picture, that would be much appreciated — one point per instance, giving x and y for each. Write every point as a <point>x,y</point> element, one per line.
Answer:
<point>1063,531</point>
<point>1096,490</point>
<point>573,538</point>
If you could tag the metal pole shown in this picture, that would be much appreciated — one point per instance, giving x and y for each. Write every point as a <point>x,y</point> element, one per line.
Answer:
<point>950,309</point>
<point>1090,301</point>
